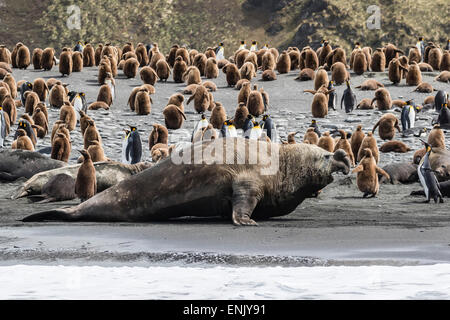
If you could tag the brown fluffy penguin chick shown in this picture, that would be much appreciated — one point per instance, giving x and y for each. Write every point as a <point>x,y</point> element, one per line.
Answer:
<point>283,64</point>
<point>244,92</point>
<point>77,59</point>
<point>23,142</point>
<point>65,62</point>
<point>255,102</point>
<point>192,76</point>
<point>40,120</point>
<point>357,139</point>
<point>326,142</point>
<point>247,71</point>
<point>96,152</point>
<point>367,175</point>
<point>311,136</point>
<point>163,70</point>
<point>31,101</point>
<point>103,69</point>
<point>343,144</point>
<point>232,74</point>
<point>365,104</point>
<point>9,107</point>
<point>179,68</point>
<point>268,75</point>
<point>414,75</point>
<point>159,152</point>
<point>55,128</point>
<point>387,125</point>
<point>68,114</point>
<point>11,82</point>
<point>339,73</point>
<point>173,117</point>
<point>383,99</point>
<point>240,116</point>
<point>177,99</point>
<point>105,95</point>
<point>211,69</point>
<point>218,116</point>
<point>83,121</point>
<point>394,146</point>
<point>86,182</point>
<point>369,142</point>
<point>436,138</point>
<point>36,58</point>
<point>319,106</point>
<point>201,99</point>
<point>61,147</point>
<point>57,96</point>
<point>321,79</point>
<point>41,88</point>
<point>91,134</point>
<point>370,84</point>
<point>211,86</point>
<point>159,134</point>
<point>98,105</point>
<point>143,103</point>
<point>131,67</point>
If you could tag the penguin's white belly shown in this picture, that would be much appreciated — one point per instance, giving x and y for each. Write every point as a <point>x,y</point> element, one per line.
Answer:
<point>412,118</point>
<point>422,182</point>
<point>124,152</point>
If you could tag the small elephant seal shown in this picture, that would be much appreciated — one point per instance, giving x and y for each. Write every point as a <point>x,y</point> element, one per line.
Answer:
<point>15,164</point>
<point>400,173</point>
<point>183,185</point>
<point>59,188</point>
<point>107,174</point>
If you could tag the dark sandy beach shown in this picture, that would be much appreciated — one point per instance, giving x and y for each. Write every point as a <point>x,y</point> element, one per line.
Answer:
<point>339,227</point>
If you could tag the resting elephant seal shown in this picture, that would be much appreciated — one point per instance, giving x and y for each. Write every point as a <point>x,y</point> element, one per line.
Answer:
<point>199,182</point>
<point>440,163</point>
<point>107,173</point>
<point>15,164</point>
<point>400,173</point>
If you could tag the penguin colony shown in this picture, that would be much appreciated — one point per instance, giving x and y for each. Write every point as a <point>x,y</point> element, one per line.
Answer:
<point>25,105</point>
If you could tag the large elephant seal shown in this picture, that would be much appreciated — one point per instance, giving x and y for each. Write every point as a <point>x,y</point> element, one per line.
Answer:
<point>233,177</point>
<point>15,164</point>
<point>107,175</point>
<point>400,173</point>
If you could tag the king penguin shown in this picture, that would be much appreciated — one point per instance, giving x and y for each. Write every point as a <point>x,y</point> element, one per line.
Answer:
<point>111,83</point>
<point>348,98</point>
<point>220,52</point>
<point>254,46</point>
<point>242,45</point>
<point>78,101</point>
<point>427,178</point>
<point>27,86</point>
<point>408,116</point>
<point>268,126</point>
<point>248,126</point>
<point>202,124</point>
<point>444,116</point>
<point>79,47</point>
<point>421,46</point>
<point>447,47</point>
<point>255,132</point>
<point>265,47</point>
<point>316,127</point>
<point>332,96</point>
<point>2,127</point>
<point>133,146</point>
<point>25,125</point>
<point>228,130</point>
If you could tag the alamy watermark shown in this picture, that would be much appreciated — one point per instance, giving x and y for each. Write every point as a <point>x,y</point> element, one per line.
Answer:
<point>74,20</point>
<point>374,20</point>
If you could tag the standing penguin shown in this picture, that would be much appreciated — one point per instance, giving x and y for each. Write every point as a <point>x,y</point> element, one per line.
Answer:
<point>444,116</point>
<point>78,101</point>
<point>421,46</point>
<point>332,96</point>
<point>111,83</point>
<point>78,47</point>
<point>26,86</point>
<point>408,116</point>
<point>133,147</point>
<point>427,178</point>
<point>349,98</point>
<point>439,99</point>
<point>248,125</point>
<point>202,124</point>
<point>255,132</point>
<point>268,125</point>
<point>220,52</point>
<point>242,45</point>
<point>254,46</point>
<point>86,182</point>
<point>3,127</point>
<point>228,130</point>
<point>316,127</point>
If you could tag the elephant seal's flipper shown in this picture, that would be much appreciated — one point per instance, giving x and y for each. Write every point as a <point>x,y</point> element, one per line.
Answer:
<point>52,215</point>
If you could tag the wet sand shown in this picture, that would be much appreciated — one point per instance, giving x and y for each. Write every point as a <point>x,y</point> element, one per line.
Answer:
<point>339,227</point>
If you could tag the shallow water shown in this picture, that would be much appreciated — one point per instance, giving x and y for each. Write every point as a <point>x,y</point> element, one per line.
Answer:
<point>366,282</point>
